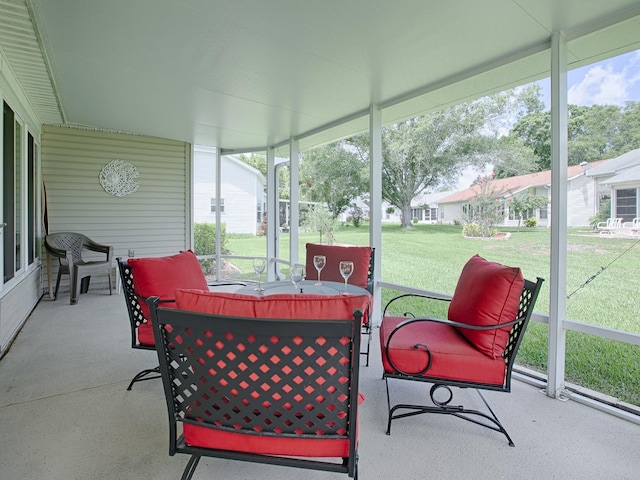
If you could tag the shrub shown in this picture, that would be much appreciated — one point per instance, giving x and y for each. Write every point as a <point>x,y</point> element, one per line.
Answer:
<point>204,243</point>
<point>356,215</point>
<point>472,230</point>
<point>415,220</point>
<point>531,222</point>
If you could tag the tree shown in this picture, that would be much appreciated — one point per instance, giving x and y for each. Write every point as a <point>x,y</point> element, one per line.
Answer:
<point>485,210</point>
<point>595,132</point>
<point>334,175</point>
<point>523,203</point>
<point>319,219</point>
<point>425,153</point>
<point>512,157</point>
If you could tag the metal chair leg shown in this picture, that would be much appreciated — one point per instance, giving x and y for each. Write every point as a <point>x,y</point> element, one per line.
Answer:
<point>141,376</point>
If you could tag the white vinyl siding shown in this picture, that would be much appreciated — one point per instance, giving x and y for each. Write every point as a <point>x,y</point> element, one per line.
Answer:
<point>152,221</point>
<point>241,192</point>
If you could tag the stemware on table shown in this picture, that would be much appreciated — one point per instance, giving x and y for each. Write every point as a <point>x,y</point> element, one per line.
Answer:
<point>297,275</point>
<point>346,269</point>
<point>259,264</point>
<point>319,261</point>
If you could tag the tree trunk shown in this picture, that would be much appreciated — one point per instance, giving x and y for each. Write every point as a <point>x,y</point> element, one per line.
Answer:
<point>406,217</point>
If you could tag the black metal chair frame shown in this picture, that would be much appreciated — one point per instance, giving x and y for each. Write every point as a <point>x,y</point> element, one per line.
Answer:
<point>136,318</point>
<point>443,406</point>
<point>367,327</point>
<point>133,301</point>
<point>203,390</point>
<point>67,247</point>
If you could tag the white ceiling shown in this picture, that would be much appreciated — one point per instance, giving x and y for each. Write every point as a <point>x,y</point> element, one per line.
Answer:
<point>245,74</point>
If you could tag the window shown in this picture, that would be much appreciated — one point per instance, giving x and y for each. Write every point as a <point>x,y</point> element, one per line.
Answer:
<point>626,204</point>
<point>214,205</point>
<point>544,213</point>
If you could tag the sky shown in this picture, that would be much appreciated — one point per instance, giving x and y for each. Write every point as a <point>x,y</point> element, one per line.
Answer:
<point>609,82</point>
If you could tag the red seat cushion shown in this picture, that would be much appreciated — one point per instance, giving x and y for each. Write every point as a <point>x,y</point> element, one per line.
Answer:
<point>452,356</point>
<point>360,256</point>
<point>145,333</point>
<point>290,305</point>
<point>161,277</point>
<point>487,293</point>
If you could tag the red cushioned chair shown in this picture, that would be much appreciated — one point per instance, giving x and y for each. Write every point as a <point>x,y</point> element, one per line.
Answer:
<point>280,390</point>
<point>143,277</point>
<point>363,262</point>
<point>474,348</point>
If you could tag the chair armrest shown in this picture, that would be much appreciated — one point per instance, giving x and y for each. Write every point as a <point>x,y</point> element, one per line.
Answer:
<point>98,247</point>
<point>56,252</point>
<point>426,296</point>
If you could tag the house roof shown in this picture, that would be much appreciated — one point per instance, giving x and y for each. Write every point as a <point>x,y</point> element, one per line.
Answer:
<point>506,187</point>
<point>430,198</point>
<point>616,165</point>
<point>629,175</point>
<point>250,74</point>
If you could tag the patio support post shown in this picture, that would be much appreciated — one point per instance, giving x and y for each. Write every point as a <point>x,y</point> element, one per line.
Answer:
<point>218,214</point>
<point>294,197</point>
<point>559,162</point>
<point>375,202</point>
<point>272,214</point>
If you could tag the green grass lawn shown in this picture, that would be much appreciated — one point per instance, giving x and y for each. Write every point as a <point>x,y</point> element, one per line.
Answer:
<point>432,256</point>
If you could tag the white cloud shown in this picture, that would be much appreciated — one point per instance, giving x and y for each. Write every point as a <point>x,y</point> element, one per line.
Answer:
<point>604,84</point>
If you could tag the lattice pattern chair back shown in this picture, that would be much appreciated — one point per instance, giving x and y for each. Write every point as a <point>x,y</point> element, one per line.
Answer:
<point>136,319</point>
<point>525,309</point>
<point>249,389</point>
<point>133,302</point>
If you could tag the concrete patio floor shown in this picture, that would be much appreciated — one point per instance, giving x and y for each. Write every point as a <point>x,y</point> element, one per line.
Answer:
<point>65,414</point>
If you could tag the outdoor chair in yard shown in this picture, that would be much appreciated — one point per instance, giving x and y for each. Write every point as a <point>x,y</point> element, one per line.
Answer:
<point>68,248</point>
<point>363,262</point>
<point>610,227</point>
<point>269,384</point>
<point>145,277</point>
<point>474,348</point>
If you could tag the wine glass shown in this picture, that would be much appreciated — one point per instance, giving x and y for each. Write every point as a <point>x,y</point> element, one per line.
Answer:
<point>259,265</point>
<point>319,261</point>
<point>346,269</point>
<point>297,275</point>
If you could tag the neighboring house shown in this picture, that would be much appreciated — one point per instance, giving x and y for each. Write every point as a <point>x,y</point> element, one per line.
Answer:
<point>424,207</point>
<point>242,200</point>
<point>582,197</point>
<point>619,179</point>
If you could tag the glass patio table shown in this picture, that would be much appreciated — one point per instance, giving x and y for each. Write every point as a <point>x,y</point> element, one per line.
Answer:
<point>306,286</point>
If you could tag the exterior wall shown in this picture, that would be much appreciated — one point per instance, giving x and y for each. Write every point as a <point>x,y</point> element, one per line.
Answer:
<point>581,201</point>
<point>241,190</point>
<point>154,221</point>
<point>16,306</point>
<point>450,212</point>
<point>20,294</point>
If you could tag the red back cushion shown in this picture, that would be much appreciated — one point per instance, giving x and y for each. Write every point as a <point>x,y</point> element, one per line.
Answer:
<point>162,276</point>
<point>284,306</point>
<point>487,293</point>
<point>360,256</point>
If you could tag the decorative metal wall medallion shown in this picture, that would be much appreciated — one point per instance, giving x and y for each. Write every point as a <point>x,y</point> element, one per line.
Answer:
<point>119,178</point>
